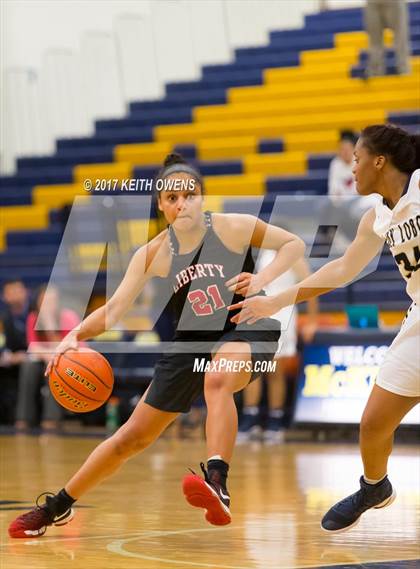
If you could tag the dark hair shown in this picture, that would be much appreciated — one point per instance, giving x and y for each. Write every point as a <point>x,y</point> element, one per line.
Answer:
<point>402,148</point>
<point>173,158</point>
<point>348,136</point>
<point>170,167</point>
<point>12,281</point>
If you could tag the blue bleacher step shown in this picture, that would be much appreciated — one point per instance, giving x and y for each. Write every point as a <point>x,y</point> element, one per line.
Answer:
<point>50,236</point>
<point>185,99</point>
<point>405,118</point>
<point>268,145</point>
<point>390,52</point>
<point>145,119</point>
<point>107,139</point>
<point>315,182</point>
<point>188,151</point>
<point>319,161</point>
<point>36,176</point>
<point>16,196</point>
<point>254,62</point>
<point>359,71</point>
<point>70,158</point>
<point>222,79</point>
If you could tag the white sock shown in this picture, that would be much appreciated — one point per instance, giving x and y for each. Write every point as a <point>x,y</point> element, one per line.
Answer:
<point>371,481</point>
<point>215,457</point>
<point>276,413</point>
<point>251,410</point>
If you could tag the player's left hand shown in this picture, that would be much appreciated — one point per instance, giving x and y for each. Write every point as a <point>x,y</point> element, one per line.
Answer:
<point>253,309</point>
<point>245,284</point>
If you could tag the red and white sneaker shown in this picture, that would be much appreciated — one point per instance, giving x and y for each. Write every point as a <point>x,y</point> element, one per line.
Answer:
<point>35,522</point>
<point>209,495</point>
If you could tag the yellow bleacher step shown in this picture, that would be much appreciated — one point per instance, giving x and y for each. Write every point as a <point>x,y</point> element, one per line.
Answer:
<point>111,171</point>
<point>343,85</point>
<point>402,99</point>
<point>142,154</point>
<point>213,203</point>
<point>58,195</point>
<point>21,217</point>
<point>227,147</point>
<point>300,74</point>
<point>243,185</point>
<point>24,217</point>
<point>269,127</point>
<point>276,163</point>
<point>348,54</point>
<point>359,39</point>
<point>315,71</point>
<point>87,257</point>
<point>135,232</point>
<point>284,90</point>
<point>322,141</point>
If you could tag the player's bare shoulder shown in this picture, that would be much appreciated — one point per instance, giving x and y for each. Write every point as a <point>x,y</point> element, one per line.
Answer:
<point>234,229</point>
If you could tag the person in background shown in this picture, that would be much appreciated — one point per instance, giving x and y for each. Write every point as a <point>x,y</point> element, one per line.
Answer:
<point>45,318</point>
<point>13,317</point>
<point>15,308</point>
<point>381,14</point>
<point>340,178</point>
<point>345,206</point>
<point>250,425</point>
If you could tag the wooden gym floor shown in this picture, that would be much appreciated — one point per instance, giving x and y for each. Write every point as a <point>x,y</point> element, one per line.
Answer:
<point>138,519</point>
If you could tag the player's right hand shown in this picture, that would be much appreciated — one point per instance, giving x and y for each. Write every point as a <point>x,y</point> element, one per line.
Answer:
<point>69,342</point>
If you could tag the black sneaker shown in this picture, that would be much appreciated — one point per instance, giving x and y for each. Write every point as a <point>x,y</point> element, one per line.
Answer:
<point>35,522</point>
<point>274,431</point>
<point>249,428</point>
<point>346,513</point>
<point>208,494</point>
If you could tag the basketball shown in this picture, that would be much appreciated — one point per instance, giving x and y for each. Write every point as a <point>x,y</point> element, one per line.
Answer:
<point>82,381</point>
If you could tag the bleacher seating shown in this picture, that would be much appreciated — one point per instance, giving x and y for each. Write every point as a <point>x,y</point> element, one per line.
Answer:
<point>266,124</point>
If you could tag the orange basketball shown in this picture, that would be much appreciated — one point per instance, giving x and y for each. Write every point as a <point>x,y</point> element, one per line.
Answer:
<point>82,381</point>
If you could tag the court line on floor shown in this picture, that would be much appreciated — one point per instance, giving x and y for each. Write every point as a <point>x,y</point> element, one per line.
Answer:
<point>117,547</point>
<point>137,535</point>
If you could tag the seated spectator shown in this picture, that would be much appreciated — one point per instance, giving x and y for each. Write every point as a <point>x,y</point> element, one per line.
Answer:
<point>47,323</point>
<point>13,315</point>
<point>340,176</point>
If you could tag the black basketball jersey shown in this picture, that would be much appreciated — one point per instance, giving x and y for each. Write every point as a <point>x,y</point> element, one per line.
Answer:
<point>197,280</point>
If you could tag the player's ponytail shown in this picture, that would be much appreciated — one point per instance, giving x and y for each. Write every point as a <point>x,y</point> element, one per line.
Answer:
<point>174,163</point>
<point>173,158</point>
<point>401,148</point>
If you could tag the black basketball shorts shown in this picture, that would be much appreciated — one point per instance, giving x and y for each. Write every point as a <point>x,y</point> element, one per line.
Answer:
<point>176,385</point>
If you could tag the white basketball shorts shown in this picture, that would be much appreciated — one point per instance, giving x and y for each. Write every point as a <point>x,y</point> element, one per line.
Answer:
<point>400,370</point>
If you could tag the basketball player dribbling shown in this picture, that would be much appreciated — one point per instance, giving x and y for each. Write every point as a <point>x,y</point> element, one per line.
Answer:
<point>207,261</point>
<point>387,162</point>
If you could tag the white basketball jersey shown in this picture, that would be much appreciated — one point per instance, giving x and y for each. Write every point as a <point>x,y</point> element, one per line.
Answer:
<point>400,227</point>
